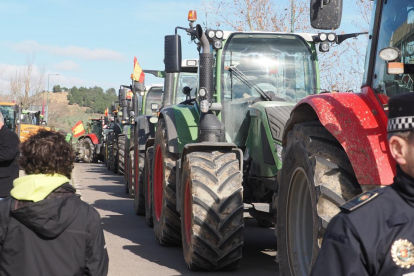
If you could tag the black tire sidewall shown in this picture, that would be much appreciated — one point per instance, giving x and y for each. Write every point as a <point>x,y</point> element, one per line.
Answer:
<point>296,157</point>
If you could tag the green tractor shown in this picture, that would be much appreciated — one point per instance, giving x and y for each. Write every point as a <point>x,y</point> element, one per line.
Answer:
<point>142,107</point>
<point>143,131</point>
<point>221,150</point>
<point>114,130</point>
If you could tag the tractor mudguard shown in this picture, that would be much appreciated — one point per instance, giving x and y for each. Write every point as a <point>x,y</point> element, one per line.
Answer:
<point>182,126</point>
<point>150,142</point>
<point>205,146</point>
<point>354,121</point>
<point>145,130</point>
<point>93,138</point>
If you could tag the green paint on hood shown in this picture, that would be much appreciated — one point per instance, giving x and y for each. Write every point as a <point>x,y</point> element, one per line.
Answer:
<point>36,187</point>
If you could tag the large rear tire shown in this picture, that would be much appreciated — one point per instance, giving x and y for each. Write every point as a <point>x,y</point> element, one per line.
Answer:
<point>139,199</point>
<point>121,157</point>
<point>316,178</point>
<point>148,173</point>
<point>212,211</point>
<point>89,150</point>
<point>166,218</point>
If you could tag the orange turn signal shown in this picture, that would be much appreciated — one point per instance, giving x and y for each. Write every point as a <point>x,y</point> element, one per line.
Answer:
<point>192,16</point>
<point>395,68</point>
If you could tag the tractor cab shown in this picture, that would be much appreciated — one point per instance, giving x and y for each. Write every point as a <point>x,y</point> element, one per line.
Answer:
<point>95,127</point>
<point>392,59</point>
<point>264,71</point>
<point>9,114</point>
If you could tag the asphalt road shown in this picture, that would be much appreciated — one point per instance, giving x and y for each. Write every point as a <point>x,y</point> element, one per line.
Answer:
<point>131,243</point>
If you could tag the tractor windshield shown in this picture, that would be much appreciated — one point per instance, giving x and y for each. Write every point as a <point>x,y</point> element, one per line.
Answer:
<point>8,114</point>
<point>278,65</point>
<point>96,128</point>
<point>185,79</point>
<point>396,30</point>
<point>154,96</point>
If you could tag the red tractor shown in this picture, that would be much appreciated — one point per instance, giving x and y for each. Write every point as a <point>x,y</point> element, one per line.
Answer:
<point>335,144</point>
<point>89,146</point>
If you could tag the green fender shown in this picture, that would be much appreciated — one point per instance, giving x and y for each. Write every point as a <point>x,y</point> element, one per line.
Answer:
<point>182,126</point>
<point>266,125</point>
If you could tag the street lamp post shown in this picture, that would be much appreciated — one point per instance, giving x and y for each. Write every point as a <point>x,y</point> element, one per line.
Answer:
<point>47,101</point>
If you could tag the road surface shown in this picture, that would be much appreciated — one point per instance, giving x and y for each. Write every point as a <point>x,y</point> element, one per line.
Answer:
<point>131,243</point>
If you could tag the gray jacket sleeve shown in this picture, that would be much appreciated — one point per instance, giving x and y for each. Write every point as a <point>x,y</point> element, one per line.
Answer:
<point>97,259</point>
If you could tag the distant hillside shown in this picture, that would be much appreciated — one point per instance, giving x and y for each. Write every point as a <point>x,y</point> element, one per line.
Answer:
<point>62,115</point>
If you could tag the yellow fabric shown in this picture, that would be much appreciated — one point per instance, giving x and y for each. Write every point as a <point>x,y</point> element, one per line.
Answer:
<point>137,75</point>
<point>36,187</point>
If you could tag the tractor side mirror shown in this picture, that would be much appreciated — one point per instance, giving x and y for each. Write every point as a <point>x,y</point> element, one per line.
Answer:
<point>172,53</point>
<point>113,107</point>
<point>139,86</point>
<point>326,14</point>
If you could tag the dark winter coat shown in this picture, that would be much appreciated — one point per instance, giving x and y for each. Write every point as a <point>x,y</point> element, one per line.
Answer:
<point>376,238</point>
<point>59,235</point>
<point>9,167</point>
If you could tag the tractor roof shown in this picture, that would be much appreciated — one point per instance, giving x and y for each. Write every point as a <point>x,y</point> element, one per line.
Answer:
<point>306,36</point>
<point>7,103</point>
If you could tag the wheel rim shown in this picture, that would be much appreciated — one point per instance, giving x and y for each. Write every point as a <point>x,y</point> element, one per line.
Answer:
<point>158,183</point>
<point>188,212</point>
<point>299,224</point>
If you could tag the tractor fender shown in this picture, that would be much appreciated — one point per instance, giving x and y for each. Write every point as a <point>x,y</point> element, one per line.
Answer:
<point>93,138</point>
<point>144,130</point>
<point>354,121</point>
<point>150,142</point>
<point>205,146</point>
<point>169,118</point>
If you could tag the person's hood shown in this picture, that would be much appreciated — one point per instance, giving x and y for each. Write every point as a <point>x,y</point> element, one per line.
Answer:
<point>36,187</point>
<point>47,217</point>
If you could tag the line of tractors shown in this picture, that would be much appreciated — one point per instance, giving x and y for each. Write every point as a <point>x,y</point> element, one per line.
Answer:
<point>246,128</point>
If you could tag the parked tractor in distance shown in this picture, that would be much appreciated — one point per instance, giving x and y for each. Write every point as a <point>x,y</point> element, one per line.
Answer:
<point>144,133</point>
<point>335,145</point>
<point>141,106</point>
<point>89,145</point>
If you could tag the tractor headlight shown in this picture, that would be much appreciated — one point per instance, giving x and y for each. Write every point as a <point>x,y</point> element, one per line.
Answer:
<point>202,92</point>
<point>204,106</point>
<point>218,44</point>
<point>279,150</point>
<point>331,37</point>
<point>211,34</point>
<point>324,47</point>
<point>390,54</point>
<point>322,36</point>
<point>219,34</point>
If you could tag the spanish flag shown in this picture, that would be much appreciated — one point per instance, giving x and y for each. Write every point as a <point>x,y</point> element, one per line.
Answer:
<point>138,74</point>
<point>78,129</point>
<point>106,112</point>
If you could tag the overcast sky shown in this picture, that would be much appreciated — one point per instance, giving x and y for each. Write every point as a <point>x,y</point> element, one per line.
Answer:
<point>94,42</point>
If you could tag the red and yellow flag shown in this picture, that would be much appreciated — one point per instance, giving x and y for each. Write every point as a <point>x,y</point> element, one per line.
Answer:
<point>106,112</point>
<point>138,74</point>
<point>129,95</point>
<point>78,129</point>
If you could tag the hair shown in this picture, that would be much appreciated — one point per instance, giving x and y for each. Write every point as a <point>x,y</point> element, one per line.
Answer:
<point>47,152</point>
<point>406,135</point>
<point>1,118</point>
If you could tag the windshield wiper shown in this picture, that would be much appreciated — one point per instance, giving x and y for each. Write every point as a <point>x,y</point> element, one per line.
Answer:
<point>242,77</point>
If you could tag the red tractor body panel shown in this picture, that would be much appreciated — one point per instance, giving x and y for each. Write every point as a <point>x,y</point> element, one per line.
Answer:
<point>359,123</point>
<point>93,137</point>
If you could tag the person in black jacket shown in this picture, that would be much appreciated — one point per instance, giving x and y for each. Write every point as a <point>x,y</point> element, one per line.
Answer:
<point>9,152</point>
<point>374,233</point>
<point>45,229</point>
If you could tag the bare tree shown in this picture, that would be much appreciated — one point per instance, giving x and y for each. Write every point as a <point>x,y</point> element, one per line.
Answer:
<point>27,83</point>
